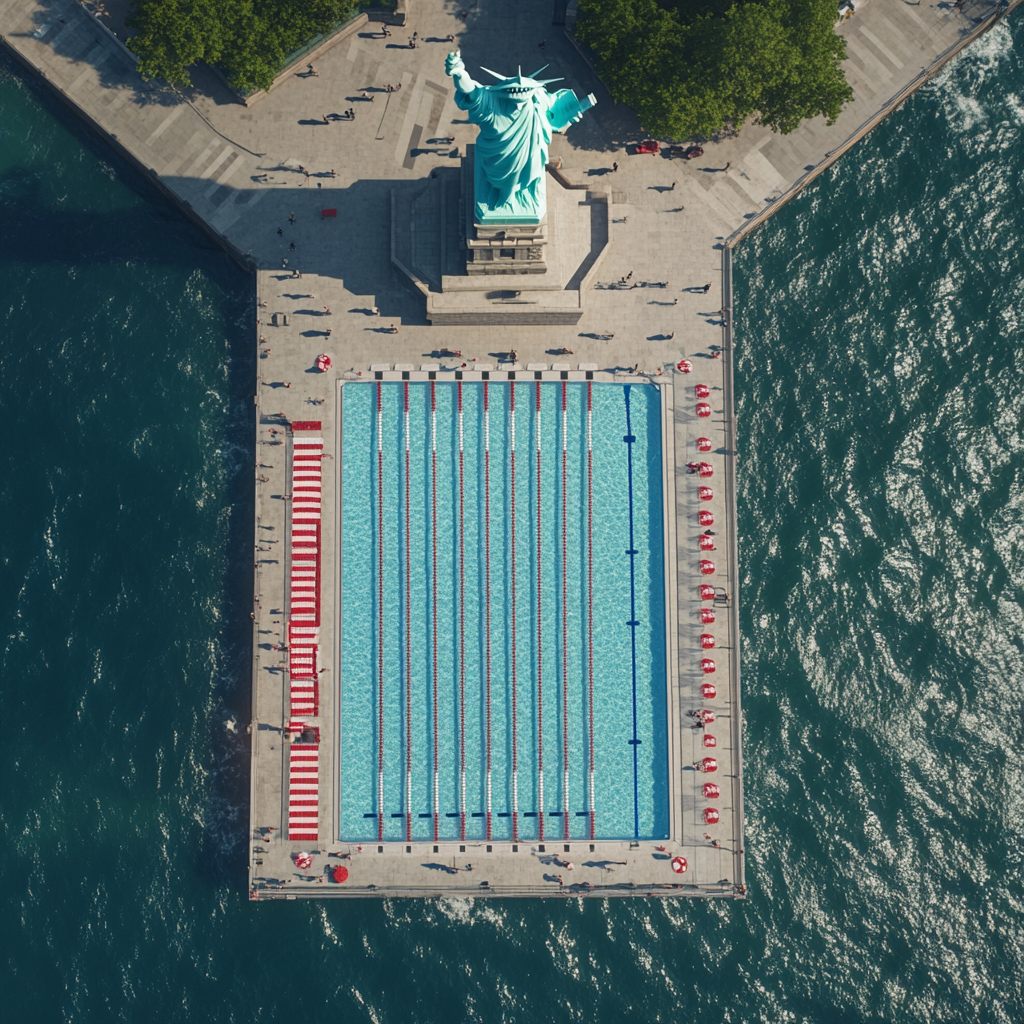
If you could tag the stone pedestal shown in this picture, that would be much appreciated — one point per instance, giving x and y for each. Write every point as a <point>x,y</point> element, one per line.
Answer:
<point>471,273</point>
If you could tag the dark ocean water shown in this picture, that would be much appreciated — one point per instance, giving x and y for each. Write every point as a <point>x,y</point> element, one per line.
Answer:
<point>881,364</point>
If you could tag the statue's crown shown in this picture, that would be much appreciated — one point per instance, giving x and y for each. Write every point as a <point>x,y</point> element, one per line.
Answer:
<point>520,84</point>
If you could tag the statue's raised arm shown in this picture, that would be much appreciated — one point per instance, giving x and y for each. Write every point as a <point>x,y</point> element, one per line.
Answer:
<point>516,117</point>
<point>454,68</point>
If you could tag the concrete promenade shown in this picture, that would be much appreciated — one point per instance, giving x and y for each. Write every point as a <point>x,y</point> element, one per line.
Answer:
<point>258,178</point>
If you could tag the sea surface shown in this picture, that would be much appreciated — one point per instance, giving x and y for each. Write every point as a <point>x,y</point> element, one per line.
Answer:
<point>880,374</point>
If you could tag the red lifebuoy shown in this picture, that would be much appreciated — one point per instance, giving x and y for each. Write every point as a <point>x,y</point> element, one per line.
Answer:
<point>679,865</point>
<point>710,815</point>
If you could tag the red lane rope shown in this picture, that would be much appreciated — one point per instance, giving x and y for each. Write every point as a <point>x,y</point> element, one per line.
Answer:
<point>380,618</point>
<point>515,752</point>
<point>433,602</point>
<point>590,594</point>
<point>565,624</point>
<point>487,591</point>
<point>540,673</point>
<point>408,628</point>
<point>462,631</point>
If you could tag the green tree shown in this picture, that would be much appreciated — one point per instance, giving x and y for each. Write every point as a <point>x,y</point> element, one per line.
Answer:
<point>688,74</point>
<point>249,39</point>
<point>172,35</point>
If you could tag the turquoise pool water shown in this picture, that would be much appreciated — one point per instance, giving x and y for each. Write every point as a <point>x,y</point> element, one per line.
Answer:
<point>415,612</point>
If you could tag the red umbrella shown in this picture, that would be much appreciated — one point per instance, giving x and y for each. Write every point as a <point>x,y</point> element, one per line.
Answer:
<point>340,874</point>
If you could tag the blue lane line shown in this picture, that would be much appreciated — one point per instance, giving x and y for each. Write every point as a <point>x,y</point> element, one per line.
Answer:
<point>633,621</point>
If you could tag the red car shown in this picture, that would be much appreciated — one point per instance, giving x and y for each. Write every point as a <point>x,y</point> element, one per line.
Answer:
<point>648,146</point>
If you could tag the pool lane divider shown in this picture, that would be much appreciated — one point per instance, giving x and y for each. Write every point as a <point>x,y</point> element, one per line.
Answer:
<point>462,622</point>
<point>408,619</point>
<point>433,584</point>
<point>540,644</point>
<point>565,619</point>
<point>630,440</point>
<point>512,569</point>
<point>380,616</point>
<point>487,586</point>
<point>590,599</point>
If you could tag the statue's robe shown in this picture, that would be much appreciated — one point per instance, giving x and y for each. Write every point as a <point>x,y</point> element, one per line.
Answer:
<point>512,147</point>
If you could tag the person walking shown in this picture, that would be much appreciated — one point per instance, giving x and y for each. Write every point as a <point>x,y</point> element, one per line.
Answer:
<point>615,167</point>
<point>707,287</point>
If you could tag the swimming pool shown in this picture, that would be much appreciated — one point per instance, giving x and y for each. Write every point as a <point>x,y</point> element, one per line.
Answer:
<point>503,662</point>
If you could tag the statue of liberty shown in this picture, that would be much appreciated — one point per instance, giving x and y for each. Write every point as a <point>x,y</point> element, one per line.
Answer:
<point>517,118</point>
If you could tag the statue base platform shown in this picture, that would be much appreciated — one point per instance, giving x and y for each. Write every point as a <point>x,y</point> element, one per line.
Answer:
<point>433,235</point>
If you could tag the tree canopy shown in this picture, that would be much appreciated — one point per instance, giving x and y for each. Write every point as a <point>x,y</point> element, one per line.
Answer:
<point>690,67</point>
<point>248,39</point>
